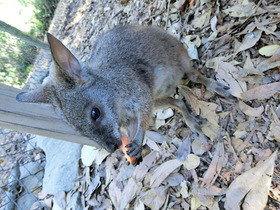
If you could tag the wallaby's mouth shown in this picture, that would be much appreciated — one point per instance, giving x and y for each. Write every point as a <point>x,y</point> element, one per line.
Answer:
<point>114,143</point>
<point>111,145</point>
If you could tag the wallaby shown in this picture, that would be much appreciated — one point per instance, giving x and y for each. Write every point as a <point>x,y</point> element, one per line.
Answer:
<point>132,70</point>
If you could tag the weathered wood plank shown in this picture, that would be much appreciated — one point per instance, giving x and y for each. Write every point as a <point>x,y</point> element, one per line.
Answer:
<point>39,119</point>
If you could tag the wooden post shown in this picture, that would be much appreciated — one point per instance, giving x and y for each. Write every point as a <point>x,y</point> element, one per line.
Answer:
<point>39,119</point>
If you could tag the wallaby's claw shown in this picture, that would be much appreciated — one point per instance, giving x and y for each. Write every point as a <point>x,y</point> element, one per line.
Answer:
<point>226,87</point>
<point>219,88</point>
<point>232,97</point>
<point>138,161</point>
<point>128,145</point>
<point>134,151</point>
<point>223,92</point>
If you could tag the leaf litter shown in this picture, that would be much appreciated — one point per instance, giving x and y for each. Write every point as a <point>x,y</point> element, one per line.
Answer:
<point>236,42</point>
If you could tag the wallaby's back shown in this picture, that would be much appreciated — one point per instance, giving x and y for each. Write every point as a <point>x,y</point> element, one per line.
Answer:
<point>144,52</point>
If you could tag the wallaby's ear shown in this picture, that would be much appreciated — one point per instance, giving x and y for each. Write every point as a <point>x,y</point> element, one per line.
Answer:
<point>64,58</point>
<point>34,96</point>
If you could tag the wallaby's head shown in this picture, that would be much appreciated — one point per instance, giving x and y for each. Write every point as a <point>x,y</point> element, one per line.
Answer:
<point>84,100</point>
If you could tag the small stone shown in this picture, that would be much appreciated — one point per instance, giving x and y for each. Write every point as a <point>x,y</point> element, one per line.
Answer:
<point>276,76</point>
<point>62,164</point>
<point>88,154</point>
<point>267,80</point>
<point>173,17</point>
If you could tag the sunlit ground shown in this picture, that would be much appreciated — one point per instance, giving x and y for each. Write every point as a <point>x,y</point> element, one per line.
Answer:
<point>13,13</point>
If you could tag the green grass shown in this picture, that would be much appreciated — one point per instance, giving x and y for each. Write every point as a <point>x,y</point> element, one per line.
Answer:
<point>16,56</point>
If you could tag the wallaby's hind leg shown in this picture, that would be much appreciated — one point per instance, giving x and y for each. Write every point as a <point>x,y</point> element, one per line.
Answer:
<point>195,76</point>
<point>181,106</point>
<point>211,84</point>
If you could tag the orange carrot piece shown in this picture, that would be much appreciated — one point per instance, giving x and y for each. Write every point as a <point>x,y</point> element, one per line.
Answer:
<point>126,141</point>
<point>192,2</point>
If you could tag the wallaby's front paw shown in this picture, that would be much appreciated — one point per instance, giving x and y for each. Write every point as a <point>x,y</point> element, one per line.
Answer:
<point>223,90</point>
<point>134,150</point>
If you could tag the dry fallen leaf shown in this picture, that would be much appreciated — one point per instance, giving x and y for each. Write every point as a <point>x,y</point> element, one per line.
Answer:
<point>163,171</point>
<point>274,128</point>
<point>195,202</point>
<point>252,186</point>
<point>184,149</point>
<point>155,197</point>
<point>192,161</point>
<point>268,29</point>
<point>164,114</point>
<point>260,153</point>
<point>270,63</point>
<point>125,171</point>
<point>115,193</point>
<point>202,19</point>
<point>192,42</point>
<point>139,205</point>
<point>241,129</point>
<point>153,145</point>
<point>102,154</point>
<point>159,123</point>
<point>213,23</point>
<point>205,195</point>
<point>225,75</point>
<point>108,165</point>
<point>249,41</point>
<point>250,111</point>
<point>274,193</point>
<point>261,92</point>
<point>269,50</point>
<point>216,165</point>
<point>199,147</point>
<point>212,63</point>
<point>155,136</point>
<point>274,132</point>
<point>184,189</point>
<point>142,169</point>
<point>243,9</point>
<point>249,69</point>
<point>245,143</point>
<point>257,197</point>
<point>275,57</point>
<point>88,154</point>
<point>192,51</point>
<point>210,131</point>
<point>208,110</point>
<point>190,98</point>
<point>128,193</point>
<point>174,179</point>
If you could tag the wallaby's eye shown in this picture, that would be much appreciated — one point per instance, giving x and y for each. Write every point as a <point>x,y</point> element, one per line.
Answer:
<point>95,113</point>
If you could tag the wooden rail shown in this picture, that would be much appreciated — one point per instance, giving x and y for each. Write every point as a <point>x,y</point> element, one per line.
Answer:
<point>39,119</point>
